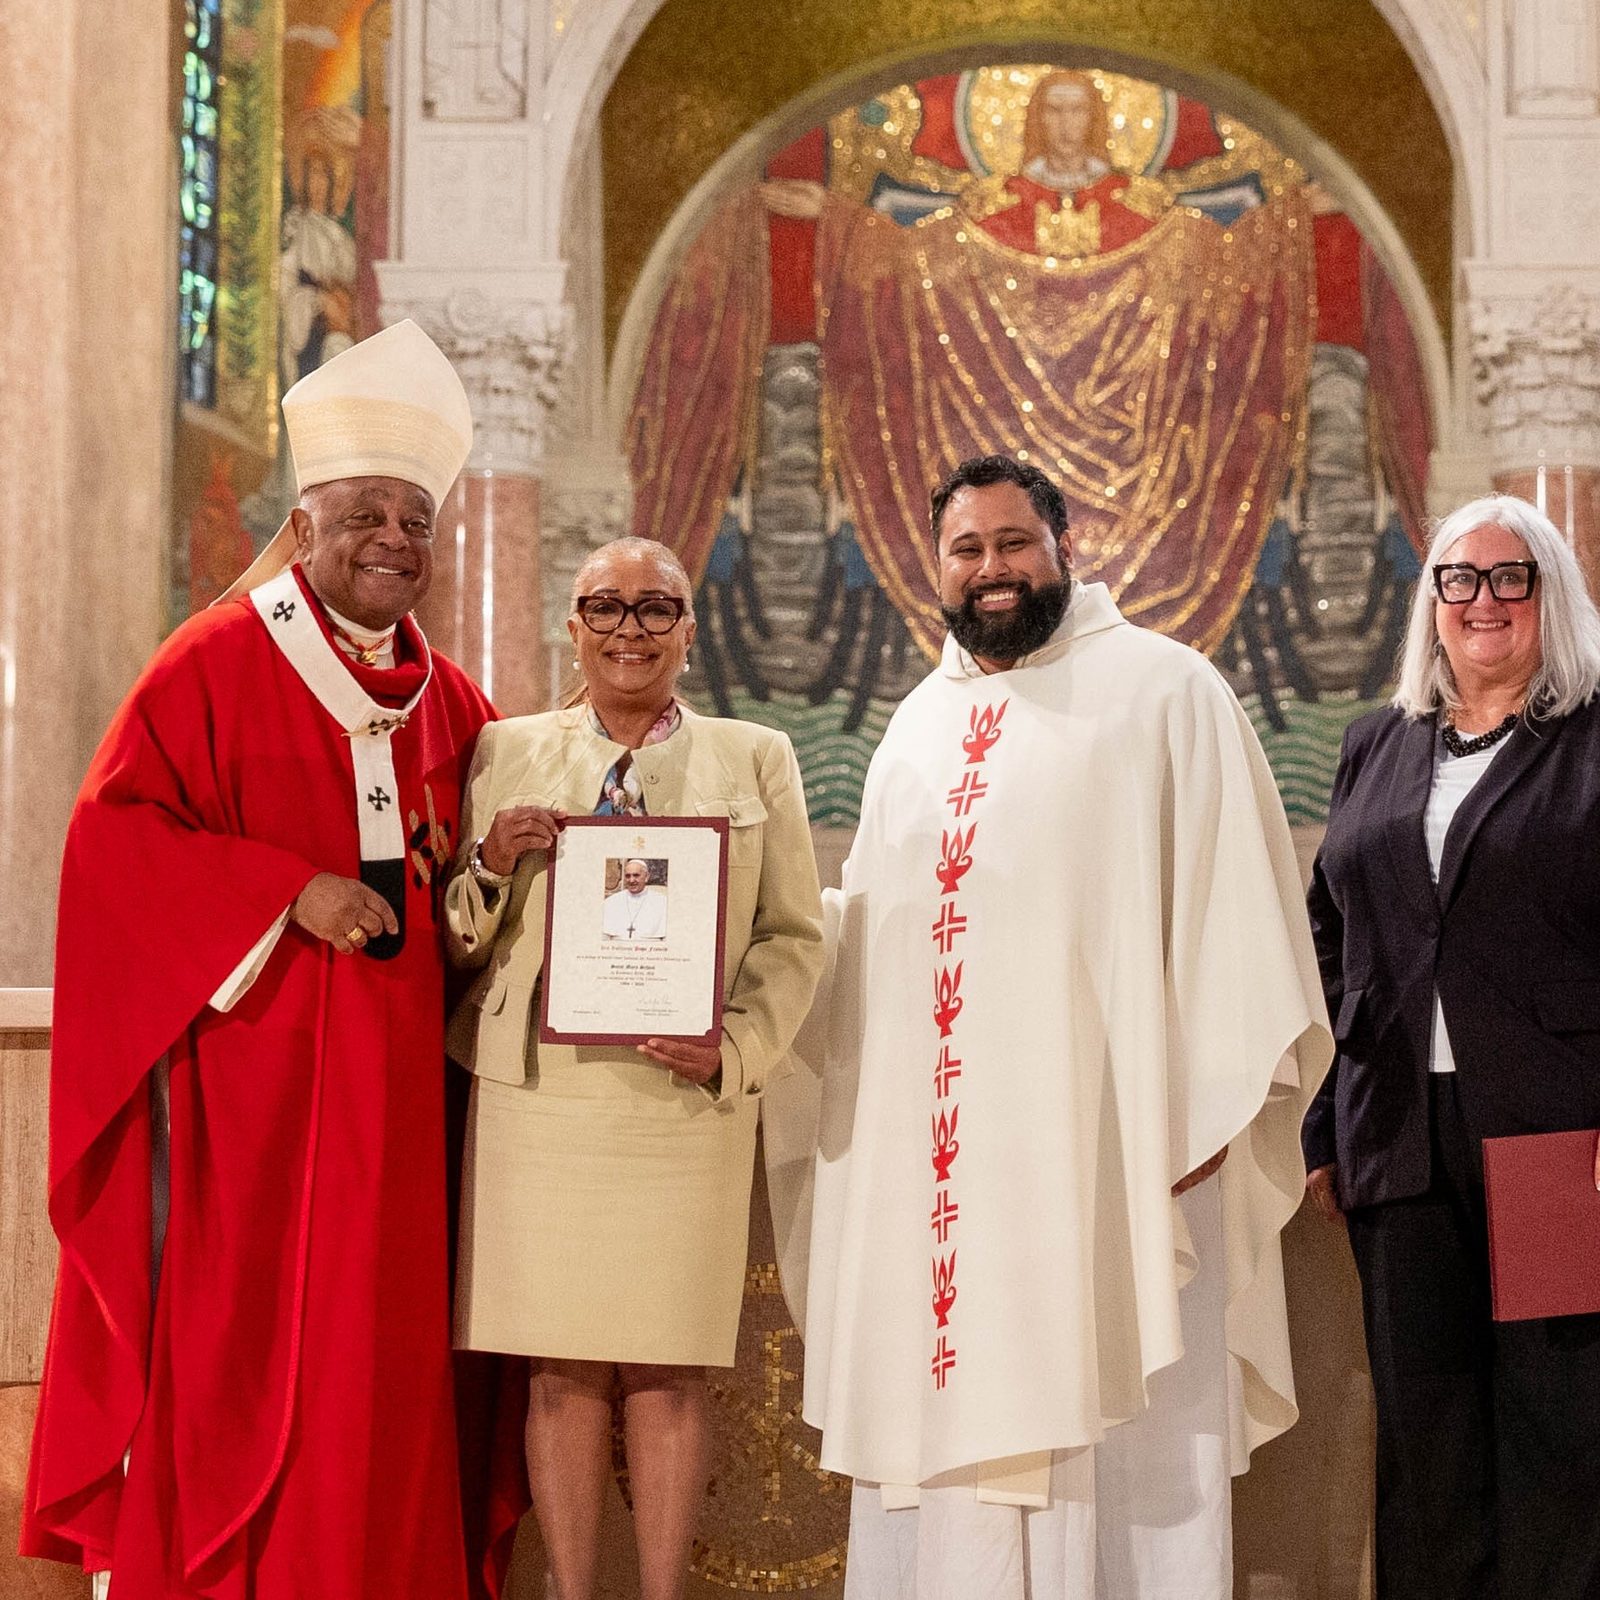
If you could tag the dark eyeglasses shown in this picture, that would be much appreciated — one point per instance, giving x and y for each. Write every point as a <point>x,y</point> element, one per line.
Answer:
<point>604,613</point>
<point>1458,582</point>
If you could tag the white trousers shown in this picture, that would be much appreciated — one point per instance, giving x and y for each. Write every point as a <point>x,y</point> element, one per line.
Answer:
<point>1143,1515</point>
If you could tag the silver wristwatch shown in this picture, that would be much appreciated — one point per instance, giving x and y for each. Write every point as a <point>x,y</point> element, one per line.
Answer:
<point>489,880</point>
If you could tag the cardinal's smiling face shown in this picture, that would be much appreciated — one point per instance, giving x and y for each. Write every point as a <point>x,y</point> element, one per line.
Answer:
<point>366,547</point>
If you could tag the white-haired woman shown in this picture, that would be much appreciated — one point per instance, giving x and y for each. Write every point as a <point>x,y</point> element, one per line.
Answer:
<point>606,1192</point>
<point>1456,907</point>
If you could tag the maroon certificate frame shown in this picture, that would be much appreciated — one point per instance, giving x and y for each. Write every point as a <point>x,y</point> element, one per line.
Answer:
<point>635,928</point>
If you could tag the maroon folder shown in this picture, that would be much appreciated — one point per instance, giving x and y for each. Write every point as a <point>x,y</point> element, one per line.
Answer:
<point>1544,1225</point>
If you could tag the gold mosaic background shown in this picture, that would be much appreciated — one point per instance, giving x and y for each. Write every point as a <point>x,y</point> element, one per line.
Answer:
<point>693,85</point>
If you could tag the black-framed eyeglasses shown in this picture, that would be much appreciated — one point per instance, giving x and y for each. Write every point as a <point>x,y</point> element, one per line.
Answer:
<point>604,613</point>
<point>1458,582</point>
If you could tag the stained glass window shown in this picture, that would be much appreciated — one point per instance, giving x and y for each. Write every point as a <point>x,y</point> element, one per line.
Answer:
<point>198,201</point>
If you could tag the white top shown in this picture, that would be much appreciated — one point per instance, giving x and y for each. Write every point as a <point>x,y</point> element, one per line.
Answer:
<point>1453,780</point>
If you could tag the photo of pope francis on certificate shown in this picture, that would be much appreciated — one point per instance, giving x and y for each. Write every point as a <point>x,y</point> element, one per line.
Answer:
<point>617,969</point>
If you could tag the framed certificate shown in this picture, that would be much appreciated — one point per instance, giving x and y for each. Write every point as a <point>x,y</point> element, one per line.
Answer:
<point>633,931</point>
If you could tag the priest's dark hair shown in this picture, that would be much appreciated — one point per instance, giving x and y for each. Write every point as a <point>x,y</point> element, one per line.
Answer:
<point>982,472</point>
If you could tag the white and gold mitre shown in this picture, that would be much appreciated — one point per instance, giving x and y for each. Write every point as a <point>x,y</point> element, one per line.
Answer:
<point>389,407</point>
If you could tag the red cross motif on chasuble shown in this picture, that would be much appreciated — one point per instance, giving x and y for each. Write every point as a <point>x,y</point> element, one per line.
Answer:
<point>966,794</point>
<point>950,923</point>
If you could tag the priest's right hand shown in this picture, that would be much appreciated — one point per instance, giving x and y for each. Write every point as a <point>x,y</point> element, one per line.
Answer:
<point>1322,1186</point>
<point>334,908</point>
<point>514,832</point>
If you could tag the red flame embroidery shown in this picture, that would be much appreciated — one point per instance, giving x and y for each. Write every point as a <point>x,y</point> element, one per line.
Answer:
<point>946,1147</point>
<point>944,1287</point>
<point>947,998</point>
<point>985,731</point>
<point>956,848</point>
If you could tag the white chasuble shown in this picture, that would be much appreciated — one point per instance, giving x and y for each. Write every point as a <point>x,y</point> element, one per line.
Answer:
<point>1073,963</point>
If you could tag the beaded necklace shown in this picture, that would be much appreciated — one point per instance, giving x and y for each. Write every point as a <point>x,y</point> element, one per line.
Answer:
<point>1459,746</point>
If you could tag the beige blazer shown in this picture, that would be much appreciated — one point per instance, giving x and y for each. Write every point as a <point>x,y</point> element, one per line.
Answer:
<point>711,767</point>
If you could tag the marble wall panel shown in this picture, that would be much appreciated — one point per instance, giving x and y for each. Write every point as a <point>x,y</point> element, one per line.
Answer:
<point>86,179</point>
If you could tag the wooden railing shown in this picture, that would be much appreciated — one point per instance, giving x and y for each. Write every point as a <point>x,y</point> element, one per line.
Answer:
<point>27,1246</point>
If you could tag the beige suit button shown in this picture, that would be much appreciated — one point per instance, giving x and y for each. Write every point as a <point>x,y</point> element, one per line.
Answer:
<point>752,1088</point>
<point>652,777</point>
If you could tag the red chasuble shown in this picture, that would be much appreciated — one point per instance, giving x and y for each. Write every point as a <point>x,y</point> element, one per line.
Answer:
<point>285,1393</point>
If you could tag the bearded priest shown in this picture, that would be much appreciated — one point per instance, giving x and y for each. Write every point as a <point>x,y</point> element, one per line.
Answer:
<point>247,1391</point>
<point>1073,1025</point>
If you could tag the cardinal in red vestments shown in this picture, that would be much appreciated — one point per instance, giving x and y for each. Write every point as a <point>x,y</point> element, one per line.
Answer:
<point>247,1393</point>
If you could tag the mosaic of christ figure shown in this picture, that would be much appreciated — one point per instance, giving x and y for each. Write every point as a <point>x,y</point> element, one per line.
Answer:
<point>1089,271</point>
<point>1066,199</point>
<point>1093,319</point>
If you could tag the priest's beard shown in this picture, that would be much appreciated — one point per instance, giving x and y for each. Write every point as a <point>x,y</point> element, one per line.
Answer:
<point>1010,636</point>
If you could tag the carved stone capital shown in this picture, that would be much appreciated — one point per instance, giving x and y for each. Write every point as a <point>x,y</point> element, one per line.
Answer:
<point>1536,365</point>
<point>509,342</point>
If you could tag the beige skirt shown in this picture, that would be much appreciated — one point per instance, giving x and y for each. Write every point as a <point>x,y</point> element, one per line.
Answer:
<point>605,1215</point>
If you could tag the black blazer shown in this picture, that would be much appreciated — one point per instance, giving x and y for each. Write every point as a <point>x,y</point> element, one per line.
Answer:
<point>1510,938</point>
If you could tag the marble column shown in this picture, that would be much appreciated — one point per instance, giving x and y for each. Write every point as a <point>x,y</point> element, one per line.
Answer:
<point>1536,358</point>
<point>87,182</point>
<point>484,607</point>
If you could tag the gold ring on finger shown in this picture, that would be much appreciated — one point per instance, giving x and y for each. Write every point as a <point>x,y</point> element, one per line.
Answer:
<point>357,936</point>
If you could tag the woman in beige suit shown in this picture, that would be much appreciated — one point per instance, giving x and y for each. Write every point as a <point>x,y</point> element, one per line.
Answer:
<point>606,1195</point>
